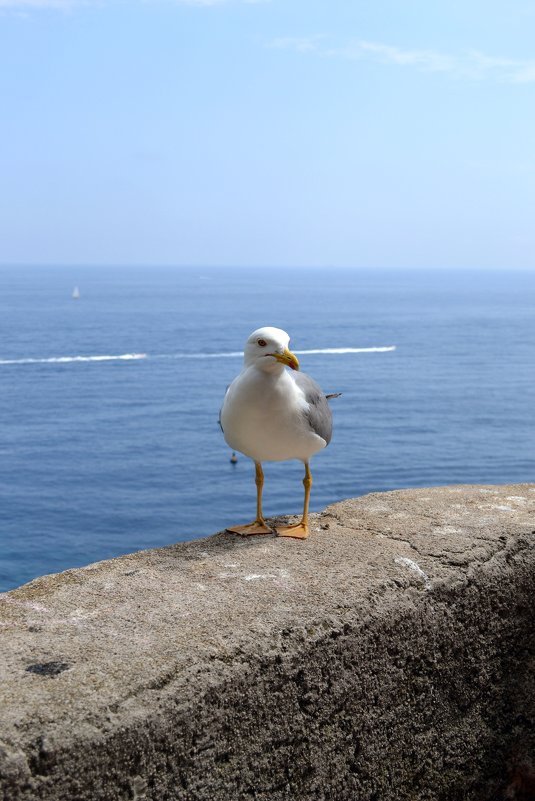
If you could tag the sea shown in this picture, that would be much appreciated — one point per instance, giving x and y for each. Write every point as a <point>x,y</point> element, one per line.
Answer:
<point>109,402</point>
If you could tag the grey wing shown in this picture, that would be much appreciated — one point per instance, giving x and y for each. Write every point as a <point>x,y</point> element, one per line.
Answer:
<point>318,414</point>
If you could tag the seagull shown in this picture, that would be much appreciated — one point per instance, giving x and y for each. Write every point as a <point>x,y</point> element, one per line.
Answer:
<point>271,414</point>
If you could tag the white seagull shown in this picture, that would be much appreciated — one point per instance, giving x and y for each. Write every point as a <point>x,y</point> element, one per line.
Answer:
<point>271,414</point>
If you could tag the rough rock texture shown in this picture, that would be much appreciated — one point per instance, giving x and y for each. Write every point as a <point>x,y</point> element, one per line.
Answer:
<point>391,656</point>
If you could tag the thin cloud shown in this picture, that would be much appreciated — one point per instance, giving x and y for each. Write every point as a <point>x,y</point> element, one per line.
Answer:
<point>428,60</point>
<point>471,64</point>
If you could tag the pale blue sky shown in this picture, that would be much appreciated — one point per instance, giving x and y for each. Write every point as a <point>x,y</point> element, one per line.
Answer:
<point>379,133</point>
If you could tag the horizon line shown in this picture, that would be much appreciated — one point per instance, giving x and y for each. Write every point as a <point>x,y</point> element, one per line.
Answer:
<point>258,266</point>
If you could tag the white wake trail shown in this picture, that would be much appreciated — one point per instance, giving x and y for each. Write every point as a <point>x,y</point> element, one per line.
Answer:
<point>348,350</point>
<point>68,359</point>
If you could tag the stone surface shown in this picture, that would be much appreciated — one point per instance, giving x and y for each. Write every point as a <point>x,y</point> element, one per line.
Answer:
<point>390,656</point>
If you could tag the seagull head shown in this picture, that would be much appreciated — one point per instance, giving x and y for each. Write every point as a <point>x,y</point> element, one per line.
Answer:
<point>267,349</point>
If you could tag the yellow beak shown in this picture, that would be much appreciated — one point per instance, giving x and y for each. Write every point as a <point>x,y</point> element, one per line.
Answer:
<point>288,358</point>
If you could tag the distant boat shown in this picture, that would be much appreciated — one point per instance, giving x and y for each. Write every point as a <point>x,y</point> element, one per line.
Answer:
<point>76,293</point>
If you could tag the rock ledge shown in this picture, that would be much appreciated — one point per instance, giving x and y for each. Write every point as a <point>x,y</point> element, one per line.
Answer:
<point>389,657</point>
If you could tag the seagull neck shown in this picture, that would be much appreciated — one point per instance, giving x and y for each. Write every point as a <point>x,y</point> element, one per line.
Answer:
<point>265,366</point>
<point>268,368</point>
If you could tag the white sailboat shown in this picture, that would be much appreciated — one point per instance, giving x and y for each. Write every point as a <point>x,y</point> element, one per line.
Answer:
<point>76,293</point>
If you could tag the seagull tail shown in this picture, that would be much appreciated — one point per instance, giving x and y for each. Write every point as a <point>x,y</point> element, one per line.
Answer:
<point>333,395</point>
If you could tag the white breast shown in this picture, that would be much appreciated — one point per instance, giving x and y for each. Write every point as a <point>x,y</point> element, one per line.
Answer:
<point>264,417</point>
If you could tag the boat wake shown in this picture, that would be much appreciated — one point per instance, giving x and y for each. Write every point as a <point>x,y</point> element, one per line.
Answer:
<point>384,349</point>
<point>68,359</point>
<point>138,356</point>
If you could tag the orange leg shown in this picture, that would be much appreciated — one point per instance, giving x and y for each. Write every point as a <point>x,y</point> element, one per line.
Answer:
<point>300,530</point>
<point>259,525</point>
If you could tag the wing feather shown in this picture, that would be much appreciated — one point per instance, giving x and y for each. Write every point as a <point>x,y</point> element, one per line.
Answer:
<point>318,414</point>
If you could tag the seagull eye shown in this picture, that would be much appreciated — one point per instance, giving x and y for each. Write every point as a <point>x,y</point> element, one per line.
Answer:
<point>262,343</point>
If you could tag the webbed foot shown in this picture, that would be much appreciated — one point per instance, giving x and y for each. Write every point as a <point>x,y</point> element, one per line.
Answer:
<point>299,531</point>
<point>251,529</point>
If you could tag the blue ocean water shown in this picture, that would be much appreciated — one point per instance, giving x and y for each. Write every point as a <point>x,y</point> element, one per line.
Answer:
<point>105,456</point>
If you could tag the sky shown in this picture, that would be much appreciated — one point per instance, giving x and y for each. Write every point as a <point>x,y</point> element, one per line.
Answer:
<point>350,133</point>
